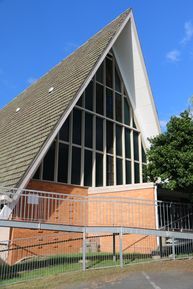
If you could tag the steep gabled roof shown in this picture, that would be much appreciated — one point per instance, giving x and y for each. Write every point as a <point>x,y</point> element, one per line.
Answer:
<point>23,134</point>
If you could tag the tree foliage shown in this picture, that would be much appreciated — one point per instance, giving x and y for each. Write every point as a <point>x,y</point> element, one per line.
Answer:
<point>170,155</point>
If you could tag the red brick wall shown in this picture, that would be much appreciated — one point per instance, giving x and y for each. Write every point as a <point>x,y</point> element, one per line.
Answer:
<point>132,214</point>
<point>65,212</point>
<point>129,214</point>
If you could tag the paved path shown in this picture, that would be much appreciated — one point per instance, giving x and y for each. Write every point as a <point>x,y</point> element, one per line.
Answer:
<point>147,280</point>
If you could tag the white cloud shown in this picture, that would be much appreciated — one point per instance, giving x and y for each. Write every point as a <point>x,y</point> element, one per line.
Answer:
<point>31,80</point>
<point>188,32</point>
<point>163,124</point>
<point>173,55</point>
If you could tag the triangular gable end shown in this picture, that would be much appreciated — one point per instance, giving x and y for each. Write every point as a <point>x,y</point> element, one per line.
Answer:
<point>36,162</point>
<point>120,45</point>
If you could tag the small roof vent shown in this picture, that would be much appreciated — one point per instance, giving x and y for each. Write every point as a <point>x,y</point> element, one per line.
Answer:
<point>17,109</point>
<point>50,89</point>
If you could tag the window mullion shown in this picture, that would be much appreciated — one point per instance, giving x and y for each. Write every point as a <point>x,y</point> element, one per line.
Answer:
<point>140,159</point>
<point>82,149</point>
<point>70,147</point>
<point>132,159</point>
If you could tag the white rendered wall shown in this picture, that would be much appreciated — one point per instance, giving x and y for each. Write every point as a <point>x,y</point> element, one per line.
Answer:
<point>131,64</point>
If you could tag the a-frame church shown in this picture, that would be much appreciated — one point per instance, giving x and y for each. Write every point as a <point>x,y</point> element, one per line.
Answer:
<point>83,127</point>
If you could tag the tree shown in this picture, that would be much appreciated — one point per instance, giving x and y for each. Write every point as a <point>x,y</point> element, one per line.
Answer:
<point>170,157</point>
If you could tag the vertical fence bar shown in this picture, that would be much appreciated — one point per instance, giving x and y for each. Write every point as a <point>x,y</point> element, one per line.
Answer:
<point>114,250</point>
<point>173,249</point>
<point>84,251</point>
<point>121,247</point>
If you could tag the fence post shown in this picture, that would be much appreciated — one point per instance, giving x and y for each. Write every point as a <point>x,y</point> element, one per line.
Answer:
<point>114,248</point>
<point>161,247</point>
<point>121,247</point>
<point>173,249</point>
<point>84,251</point>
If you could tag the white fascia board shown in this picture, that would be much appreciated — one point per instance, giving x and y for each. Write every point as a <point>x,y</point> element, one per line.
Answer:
<point>131,64</point>
<point>28,175</point>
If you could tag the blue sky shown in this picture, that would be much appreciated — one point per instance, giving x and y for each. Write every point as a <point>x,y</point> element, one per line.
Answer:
<point>36,34</point>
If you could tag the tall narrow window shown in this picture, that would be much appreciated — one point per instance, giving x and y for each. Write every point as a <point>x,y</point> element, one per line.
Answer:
<point>136,169</point>
<point>110,136</point>
<point>119,140</point>
<point>99,170</point>
<point>110,171</point>
<point>109,103</point>
<point>87,168</point>
<point>76,160</point>
<point>143,154</point>
<point>127,143</point>
<point>117,81</point>
<point>37,174</point>
<point>49,163</point>
<point>99,134</point>
<point>136,145</point>
<point>64,131</point>
<point>119,171</point>
<point>118,106</point>
<point>89,96</point>
<point>128,172</point>
<point>109,72</point>
<point>99,99</point>
<point>99,74</point>
<point>80,101</point>
<point>127,115</point>
<point>88,130</point>
<point>77,124</point>
<point>63,163</point>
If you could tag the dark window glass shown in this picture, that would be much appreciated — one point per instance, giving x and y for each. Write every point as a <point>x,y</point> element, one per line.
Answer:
<point>109,73</point>
<point>118,140</point>
<point>99,170</point>
<point>48,164</point>
<point>136,146</point>
<point>109,134</point>
<point>144,160</point>
<point>88,129</point>
<point>37,174</point>
<point>99,74</point>
<point>64,131</point>
<point>128,172</point>
<point>89,96</point>
<point>76,160</point>
<point>110,171</point>
<point>119,170</point>
<point>99,134</point>
<point>79,102</point>
<point>127,143</point>
<point>136,169</point>
<point>77,123</point>
<point>124,91</point>
<point>134,124</point>
<point>87,168</point>
<point>109,103</point>
<point>127,115</point>
<point>99,99</point>
<point>63,163</point>
<point>117,81</point>
<point>118,107</point>
<point>144,173</point>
